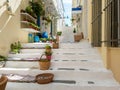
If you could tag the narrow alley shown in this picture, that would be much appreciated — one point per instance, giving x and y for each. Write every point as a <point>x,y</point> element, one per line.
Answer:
<point>59,44</point>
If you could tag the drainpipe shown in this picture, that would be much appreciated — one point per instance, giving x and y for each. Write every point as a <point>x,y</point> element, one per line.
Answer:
<point>51,30</point>
<point>38,21</point>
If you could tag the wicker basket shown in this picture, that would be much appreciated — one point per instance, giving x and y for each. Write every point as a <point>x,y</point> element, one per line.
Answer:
<point>44,78</point>
<point>44,63</point>
<point>3,82</point>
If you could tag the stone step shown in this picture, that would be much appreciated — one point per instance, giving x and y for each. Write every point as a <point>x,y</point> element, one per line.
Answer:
<point>79,51</point>
<point>76,75</point>
<point>24,55</point>
<point>55,64</point>
<point>63,86</point>
<point>77,80</point>
<point>54,57</point>
<point>35,45</point>
<point>61,52</point>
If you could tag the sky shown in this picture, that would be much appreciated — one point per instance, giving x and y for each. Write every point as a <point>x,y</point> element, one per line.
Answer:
<point>67,6</point>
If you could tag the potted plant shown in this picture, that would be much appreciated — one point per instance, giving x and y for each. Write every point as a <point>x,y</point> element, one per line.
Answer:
<point>44,63</point>
<point>43,39</point>
<point>55,44</point>
<point>38,10</point>
<point>48,48</point>
<point>77,37</point>
<point>34,26</point>
<point>48,19</point>
<point>59,33</point>
<point>15,47</point>
<point>2,58</point>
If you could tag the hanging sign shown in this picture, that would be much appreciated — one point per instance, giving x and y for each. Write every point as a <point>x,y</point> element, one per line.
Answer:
<point>77,10</point>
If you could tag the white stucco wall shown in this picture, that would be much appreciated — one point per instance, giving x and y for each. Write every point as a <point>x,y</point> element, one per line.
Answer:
<point>12,31</point>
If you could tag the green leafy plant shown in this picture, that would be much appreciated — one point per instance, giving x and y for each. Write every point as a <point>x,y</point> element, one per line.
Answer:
<point>15,47</point>
<point>59,33</point>
<point>48,53</point>
<point>48,47</point>
<point>2,58</point>
<point>43,39</point>
<point>47,19</point>
<point>37,8</point>
<point>35,26</point>
<point>29,10</point>
<point>72,19</point>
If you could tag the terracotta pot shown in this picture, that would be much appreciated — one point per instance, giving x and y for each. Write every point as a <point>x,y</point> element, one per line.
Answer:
<point>55,45</point>
<point>57,37</point>
<point>77,38</point>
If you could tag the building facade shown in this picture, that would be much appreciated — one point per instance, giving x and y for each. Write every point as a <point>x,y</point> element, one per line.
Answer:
<point>80,18</point>
<point>105,32</point>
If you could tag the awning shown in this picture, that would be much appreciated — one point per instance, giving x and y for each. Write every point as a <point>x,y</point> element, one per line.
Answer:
<point>77,10</point>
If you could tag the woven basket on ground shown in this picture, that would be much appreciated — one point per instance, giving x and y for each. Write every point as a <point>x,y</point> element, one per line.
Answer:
<point>44,78</point>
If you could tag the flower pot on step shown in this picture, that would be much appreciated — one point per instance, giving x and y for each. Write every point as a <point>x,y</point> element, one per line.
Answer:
<point>55,45</point>
<point>77,38</point>
<point>44,63</point>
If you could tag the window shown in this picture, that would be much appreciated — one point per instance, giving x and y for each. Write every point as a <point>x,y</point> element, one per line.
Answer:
<point>112,15</point>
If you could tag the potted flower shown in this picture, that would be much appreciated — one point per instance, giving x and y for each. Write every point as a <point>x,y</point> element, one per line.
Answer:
<point>59,33</point>
<point>48,55</point>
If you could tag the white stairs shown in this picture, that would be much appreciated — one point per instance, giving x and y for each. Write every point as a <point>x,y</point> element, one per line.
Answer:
<point>76,66</point>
